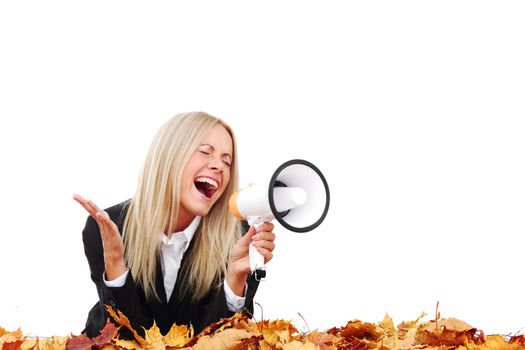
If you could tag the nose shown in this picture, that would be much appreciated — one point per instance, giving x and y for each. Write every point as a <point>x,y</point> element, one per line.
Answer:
<point>216,164</point>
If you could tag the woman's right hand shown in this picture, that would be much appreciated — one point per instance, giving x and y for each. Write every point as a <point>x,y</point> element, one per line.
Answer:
<point>114,261</point>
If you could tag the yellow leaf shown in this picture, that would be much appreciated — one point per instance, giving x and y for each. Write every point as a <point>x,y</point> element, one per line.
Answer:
<point>127,344</point>
<point>52,343</point>
<point>154,339</point>
<point>277,332</point>
<point>178,336</point>
<point>29,343</point>
<point>388,325</point>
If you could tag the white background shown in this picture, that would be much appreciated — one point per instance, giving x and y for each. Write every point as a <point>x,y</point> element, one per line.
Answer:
<point>412,109</point>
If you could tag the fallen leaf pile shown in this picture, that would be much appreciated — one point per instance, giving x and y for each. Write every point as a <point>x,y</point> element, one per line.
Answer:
<point>239,332</point>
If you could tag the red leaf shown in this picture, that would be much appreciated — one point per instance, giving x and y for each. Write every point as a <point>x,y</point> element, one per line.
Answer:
<point>79,342</point>
<point>106,334</point>
<point>83,342</point>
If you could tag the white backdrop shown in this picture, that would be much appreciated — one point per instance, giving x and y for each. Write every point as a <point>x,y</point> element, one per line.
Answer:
<point>412,109</point>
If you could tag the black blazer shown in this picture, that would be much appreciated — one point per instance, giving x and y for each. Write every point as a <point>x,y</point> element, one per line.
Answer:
<point>131,300</point>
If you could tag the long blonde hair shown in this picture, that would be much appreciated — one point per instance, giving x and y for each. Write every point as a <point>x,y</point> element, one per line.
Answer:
<point>155,207</point>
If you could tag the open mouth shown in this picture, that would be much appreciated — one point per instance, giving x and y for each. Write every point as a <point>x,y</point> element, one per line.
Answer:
<point>207,186</point>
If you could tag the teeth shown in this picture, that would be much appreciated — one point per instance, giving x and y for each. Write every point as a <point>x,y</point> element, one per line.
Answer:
<point>208,180</point>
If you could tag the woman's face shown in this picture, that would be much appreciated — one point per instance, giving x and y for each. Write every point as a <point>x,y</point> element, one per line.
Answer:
<point>206,174</point>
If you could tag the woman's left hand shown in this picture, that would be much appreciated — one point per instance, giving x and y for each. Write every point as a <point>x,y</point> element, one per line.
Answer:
<point>239,265</point>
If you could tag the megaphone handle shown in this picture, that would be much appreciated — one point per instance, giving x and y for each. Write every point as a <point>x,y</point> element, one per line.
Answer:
<point>256,259</point>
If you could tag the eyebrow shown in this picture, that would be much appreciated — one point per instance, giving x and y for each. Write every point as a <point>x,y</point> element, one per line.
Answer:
<point>208,145</point>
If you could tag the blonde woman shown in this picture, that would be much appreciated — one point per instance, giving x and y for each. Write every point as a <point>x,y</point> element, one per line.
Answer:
<point>173,253</point>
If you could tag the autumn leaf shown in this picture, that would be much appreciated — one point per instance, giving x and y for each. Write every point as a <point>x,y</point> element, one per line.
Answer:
<point>52,343</point>
<point>178,336</point>
<point>241,333</point>
<point>322,340</point>
<point>277,333</point>
<point>448,332</point>
<point>82,341</point>
<point>297,345</point>
<point>520,339</point>
<point>10,340</point>
<point>121,319</point>
<point>227,339</point>
<point>387,324</point>
<point>154,339</point>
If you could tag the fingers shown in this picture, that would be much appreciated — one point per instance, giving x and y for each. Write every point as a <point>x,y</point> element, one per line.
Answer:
<point>264,237</point>
<point>90,207</point>
<point>264,241</point>
<point>266,226</point>
<point>264,245</point>
<point>84,204</point>
<point>267,254</point>
<point>105,224</point>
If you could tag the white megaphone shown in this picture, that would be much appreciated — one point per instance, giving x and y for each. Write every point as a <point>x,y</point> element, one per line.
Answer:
<point>297,196</point>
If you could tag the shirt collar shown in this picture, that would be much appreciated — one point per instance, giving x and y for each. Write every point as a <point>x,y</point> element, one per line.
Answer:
<point>186,235</point>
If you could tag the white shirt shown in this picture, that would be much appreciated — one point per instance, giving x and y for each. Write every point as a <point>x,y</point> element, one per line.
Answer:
<point>172,250</point>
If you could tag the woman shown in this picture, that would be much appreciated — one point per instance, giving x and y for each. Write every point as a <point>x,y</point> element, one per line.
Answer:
<point>181,258</point>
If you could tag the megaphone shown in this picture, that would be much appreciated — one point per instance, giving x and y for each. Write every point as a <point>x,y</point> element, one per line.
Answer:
<point>297,196</point>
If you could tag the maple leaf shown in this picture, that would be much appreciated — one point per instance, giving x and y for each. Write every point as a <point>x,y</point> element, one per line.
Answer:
<point>297,345</point>
<point>82,341</point>
<point>29,344</point>
<point>278,332</point>
<point>154,338</point>
<point>364,331</point>
<point>10,340</point>
<point>178,336</point>
<point>224,323</point>
<point>52,343</point>
<point>121,319</point>
<point>322,340</point>
<point>127,344</point>
<point>79,342</point>
<point>520,339</point>
<point>449,331</point>
<point>2,331</point>
<point>230,338</point>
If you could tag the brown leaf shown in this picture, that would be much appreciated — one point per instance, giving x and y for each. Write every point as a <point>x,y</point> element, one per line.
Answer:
<point>361,330</point>
<point>297,345</point>
<point>451,332</point>
<point>228,339</point>
<point>322,340</point>
<point>519,339</point>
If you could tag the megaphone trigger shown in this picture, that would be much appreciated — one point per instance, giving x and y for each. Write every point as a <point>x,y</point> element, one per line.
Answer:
<point>257,265</point>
